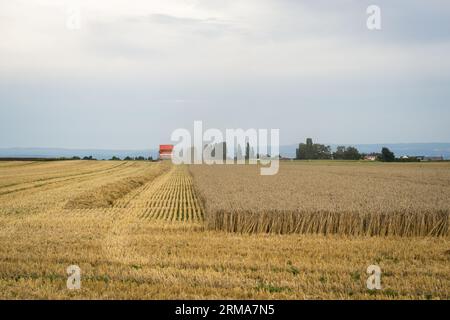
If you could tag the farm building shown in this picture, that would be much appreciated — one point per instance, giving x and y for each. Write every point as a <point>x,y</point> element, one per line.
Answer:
<point>370,157</point>
<point>433,158</point>
<point>165,151</point>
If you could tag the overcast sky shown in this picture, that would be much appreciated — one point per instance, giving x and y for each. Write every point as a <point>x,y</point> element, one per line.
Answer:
<point>137,70</point>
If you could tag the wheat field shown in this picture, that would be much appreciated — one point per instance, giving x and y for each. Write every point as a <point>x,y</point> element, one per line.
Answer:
<point>328,198</point>
<point>139,230</point>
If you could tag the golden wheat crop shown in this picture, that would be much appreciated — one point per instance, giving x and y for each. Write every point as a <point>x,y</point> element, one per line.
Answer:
<point>172,199</point>
<point>107,195</point>
<point>136,231</point>
<point>328,198</point>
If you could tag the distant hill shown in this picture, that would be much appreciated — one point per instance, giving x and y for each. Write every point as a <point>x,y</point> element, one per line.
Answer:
<point>400,149</point>
<point>68,153</point>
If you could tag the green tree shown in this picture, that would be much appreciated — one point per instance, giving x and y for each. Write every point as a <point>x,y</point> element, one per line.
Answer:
<point>339,153</point>
<point>351,153</point>
<point>305,151</point>
<point>346,153</point>
<point>247,151</point>
<point>321,152</point>
<point>239,152</point>
<point>387,155</point>
<point>311,151</point>
<point>224,144</point>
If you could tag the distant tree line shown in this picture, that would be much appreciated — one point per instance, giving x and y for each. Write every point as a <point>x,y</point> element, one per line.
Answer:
<point>78,158</point>
<point>347,153</point>
<point>305,151</point>
<point>313,151</point>
<point>316,151</point>
<point>114,158</point>
<point>388,156</point>
<point>128,158</point>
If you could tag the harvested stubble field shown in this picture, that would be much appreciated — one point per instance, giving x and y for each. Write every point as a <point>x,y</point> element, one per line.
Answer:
<point>137,230</point>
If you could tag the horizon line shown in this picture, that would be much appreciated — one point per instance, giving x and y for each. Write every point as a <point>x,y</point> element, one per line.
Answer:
<point>156,147</point>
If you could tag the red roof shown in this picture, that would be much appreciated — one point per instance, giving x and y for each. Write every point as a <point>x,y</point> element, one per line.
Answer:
<point>166,148</point>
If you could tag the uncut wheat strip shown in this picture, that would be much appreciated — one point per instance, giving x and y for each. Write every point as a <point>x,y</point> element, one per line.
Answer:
<point>177,201</point>
<point>167,201</point>
<point>164,203</point>
<point>185,199</point>
<point>184,189</point>
<point>195,203</point>
<point>166,210</point>
<point>183,203</point>
<point>168,196</point>
<point>156,206</point>
<point>196,210</point>
<point>192,214</point>
<point>164,192</point>
<point>173,198</point>
<point>158,211</point>
<point>161,198</point>
<point>142,214</point>
<point>173,202</point>
<point>199,208</point>
<point>180,198</point>
<point>149,213</point>
<point>161,212</point>
<point>190,207</point>
<point>180,192</point>
<point>147,200</point>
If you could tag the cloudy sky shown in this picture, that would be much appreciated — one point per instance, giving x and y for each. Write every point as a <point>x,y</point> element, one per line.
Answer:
<point>136,70</point>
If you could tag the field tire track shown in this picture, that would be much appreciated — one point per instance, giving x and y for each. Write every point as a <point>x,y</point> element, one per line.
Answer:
<point>78,177</point>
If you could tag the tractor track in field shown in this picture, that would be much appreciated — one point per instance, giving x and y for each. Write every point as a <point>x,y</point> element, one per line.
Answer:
<point>20,164</point>
<point>168,199</point>
<point>171,198</point>
<point>50,181</point>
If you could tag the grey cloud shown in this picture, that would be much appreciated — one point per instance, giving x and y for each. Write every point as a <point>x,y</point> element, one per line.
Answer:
<point>207,26</point>
<point>310,68</point>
